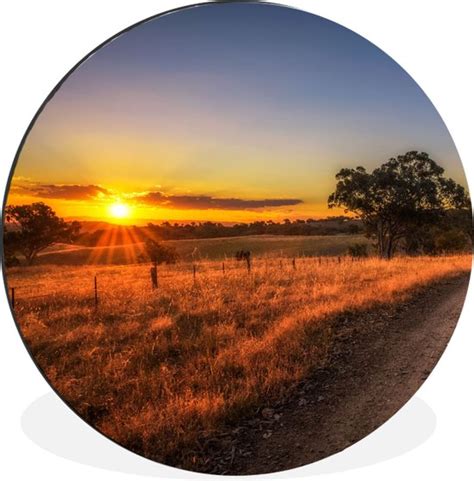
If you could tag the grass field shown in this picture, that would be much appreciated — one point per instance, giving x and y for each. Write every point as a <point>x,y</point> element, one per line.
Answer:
<point>159,370</point>
<point>207,249</point>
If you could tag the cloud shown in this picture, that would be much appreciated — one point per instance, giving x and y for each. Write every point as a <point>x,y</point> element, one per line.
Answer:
<point>60,191</point>
<point>91,192</point>
<point>205,202</point>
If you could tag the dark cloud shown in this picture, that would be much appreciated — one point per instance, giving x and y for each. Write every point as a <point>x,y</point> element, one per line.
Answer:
<point>94,192</point>
<point>65,192</point>
<point>205,202</point>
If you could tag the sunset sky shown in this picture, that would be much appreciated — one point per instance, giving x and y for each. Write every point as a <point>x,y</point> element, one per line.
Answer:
<point>226,113</point>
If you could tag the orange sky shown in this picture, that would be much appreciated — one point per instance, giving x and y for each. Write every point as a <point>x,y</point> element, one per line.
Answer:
<point>98,202</point>
<point>184,118</point>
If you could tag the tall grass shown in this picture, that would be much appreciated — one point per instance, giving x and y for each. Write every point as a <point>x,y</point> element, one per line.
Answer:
<point>158,370</point>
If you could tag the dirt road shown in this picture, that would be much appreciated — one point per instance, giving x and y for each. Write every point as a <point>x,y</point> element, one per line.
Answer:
<point>378,361</point>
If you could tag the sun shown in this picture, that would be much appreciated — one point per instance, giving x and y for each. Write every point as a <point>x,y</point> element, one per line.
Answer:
<point>119,210</point>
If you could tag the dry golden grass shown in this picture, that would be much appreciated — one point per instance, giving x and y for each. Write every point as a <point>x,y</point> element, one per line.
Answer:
<point>157,370</point>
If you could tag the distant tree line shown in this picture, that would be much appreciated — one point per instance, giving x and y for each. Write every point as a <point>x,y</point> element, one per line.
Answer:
<point>206,230</point>
<point>209,230</point>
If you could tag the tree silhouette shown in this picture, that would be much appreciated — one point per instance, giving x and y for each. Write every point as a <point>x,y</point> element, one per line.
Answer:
<point>29,229</point>
<point>402,196</point>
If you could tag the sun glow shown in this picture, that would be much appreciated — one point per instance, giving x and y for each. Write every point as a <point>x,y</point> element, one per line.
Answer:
<point>119,210</point>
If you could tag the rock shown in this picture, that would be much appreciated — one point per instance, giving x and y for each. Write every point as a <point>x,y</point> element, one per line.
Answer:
<point>268,413</point>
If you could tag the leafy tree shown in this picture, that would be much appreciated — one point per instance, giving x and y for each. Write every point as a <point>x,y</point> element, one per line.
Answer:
<point>159,253</point>
<point>398,198</point>
<point>29,229</point>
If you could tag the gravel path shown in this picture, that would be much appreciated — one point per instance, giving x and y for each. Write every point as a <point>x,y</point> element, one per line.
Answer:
<point>378,361</point>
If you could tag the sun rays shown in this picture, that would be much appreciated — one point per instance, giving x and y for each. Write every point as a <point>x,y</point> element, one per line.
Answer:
<point>117,244</point>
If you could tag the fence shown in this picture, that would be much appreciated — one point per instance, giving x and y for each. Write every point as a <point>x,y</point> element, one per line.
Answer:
<point>195,270</point>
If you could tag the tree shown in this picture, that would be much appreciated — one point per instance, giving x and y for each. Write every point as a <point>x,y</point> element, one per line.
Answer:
<point>29,229</point>
<point>159,253</point>
<point>401,196</point>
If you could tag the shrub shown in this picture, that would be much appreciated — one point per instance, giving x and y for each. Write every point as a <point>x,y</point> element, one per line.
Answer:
<point>452,240</point>
<point>358,250</point>
<point>159,253</point>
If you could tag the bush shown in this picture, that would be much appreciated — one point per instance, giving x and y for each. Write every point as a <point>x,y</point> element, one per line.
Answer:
<point>358,250</point>
<point>437,240</point>
<point>452,240</point>
<point>11,260</point>
<point>159,253</point>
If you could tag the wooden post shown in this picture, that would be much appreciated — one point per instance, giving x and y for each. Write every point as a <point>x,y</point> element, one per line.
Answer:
<point>223,268</point>
<point>249,266</point>
<point>319,259</point>
<point>96,295</point>
<point>294,263</point>
<point>154,276</point>
<point>338,260</point>
<point>13,298</point>
<point>194,272</point>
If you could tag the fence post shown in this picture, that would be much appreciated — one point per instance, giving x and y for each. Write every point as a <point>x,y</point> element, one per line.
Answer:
<point>96,295</point>
<point>249,266</point>
<point>294,263</point>
<point>154,276</point>
<point>223,268</point>
<point>13,298</point>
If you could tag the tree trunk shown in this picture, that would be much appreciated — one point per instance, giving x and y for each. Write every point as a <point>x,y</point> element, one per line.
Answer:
<point>382,241</point>
<point>389,251</point>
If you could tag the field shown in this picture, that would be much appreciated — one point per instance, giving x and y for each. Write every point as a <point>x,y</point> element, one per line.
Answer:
<point>161,370</point>
<point>207,249</point>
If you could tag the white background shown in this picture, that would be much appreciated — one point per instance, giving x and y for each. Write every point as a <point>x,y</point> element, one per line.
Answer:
<point>431,436</point>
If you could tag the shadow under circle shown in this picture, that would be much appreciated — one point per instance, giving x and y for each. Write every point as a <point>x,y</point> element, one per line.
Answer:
<point>55,428</point>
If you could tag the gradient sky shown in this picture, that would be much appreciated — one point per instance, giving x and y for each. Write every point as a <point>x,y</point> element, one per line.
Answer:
<point>230,112</point>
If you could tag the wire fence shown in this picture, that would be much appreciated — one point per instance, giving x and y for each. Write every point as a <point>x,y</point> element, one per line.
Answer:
<point>158,275</point>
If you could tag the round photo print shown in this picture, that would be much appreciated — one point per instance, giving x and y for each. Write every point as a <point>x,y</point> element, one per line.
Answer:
<point>236,238</point>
